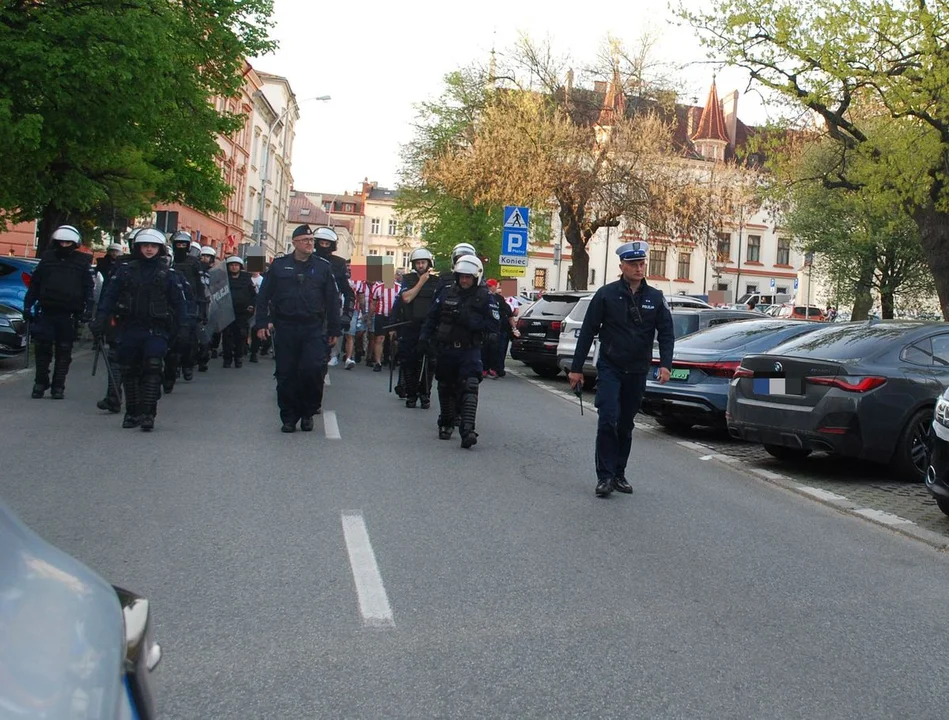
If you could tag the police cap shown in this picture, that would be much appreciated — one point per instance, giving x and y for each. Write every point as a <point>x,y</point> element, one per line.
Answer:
<point>636,250</point>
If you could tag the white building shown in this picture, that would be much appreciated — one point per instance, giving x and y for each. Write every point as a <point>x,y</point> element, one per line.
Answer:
<point>383,233</point>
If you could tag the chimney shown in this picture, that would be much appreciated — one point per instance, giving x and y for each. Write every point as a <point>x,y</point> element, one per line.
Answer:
<point>599,86</point>
<point>730,110</point>
<point>570,81</point>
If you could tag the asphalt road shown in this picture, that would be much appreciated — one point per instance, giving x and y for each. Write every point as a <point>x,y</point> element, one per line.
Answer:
<point>386,574</point>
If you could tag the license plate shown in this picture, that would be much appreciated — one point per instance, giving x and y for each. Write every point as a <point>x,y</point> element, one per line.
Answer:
<point>676,374</point>
<point>23,341</point>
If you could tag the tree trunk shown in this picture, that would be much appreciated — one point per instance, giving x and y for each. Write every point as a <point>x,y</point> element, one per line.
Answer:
<point>886,304</point>
<point>934,236</point>
<point>579,271</point>
<point>51,219</point>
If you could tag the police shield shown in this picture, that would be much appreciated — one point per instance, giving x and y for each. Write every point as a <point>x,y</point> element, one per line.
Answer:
<point>221,309</point>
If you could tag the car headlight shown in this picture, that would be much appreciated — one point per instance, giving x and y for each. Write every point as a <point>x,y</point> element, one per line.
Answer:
<point>942,412</point>
<point>5,323</point>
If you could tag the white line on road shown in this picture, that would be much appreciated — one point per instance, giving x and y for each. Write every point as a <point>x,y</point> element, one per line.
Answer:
<point>330,425</point>
<point>819,493</point>
<point>373,601</point>
<point>884,517</point>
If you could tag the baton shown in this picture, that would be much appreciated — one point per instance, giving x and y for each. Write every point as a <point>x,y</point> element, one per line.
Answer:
<point>116,383</point>
<point>395,325</point>
<point>578,391</point>
<point>96,346</point>
<point>423,376</point>
<point>391,367</point>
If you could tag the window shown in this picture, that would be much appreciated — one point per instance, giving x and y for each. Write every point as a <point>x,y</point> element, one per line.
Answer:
<point>685,266</point>
<point>540,278</point>
<point>409,230</point>
<point>593,276</point>
<point>941,350</point>
<point>754,248</point>
<point>390,253</point>
<point>373,251</point>
<point>304,211</point>
<point>724,247</point>
<point>722,286</point>
<point>253,151</point>
<point>782,290</point>
<point>751,289</point>
<point>784,251</point>
<point>919,354</point>
<point>393,227</point>
<point>328,207</point>
<point>348,207</point>
<point>657,263</point>
<point>374,226</point>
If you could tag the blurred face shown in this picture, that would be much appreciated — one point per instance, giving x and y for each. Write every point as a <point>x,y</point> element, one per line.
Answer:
<point>420,266</point>
<point>303,246</point>
<point>633,270</point>
<point>207,259</point>
<point>466,281</point>
<point>65,244</point>
<point>149,250</point>
<point>113,253</point>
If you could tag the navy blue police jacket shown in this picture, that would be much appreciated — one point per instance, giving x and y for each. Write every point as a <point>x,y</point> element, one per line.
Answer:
<point>627,323</point>
<point>302,292</point>
<point>144,297</point>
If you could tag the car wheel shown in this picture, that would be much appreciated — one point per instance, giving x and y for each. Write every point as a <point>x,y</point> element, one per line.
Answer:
<point>943,504</point>
<point>914,448</point>
<point>788,454</point>
<point>674,425</point>
<point>546,371</point>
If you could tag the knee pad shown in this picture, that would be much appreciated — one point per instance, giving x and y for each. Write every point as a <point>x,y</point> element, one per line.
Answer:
<point>152,365</point>
<point>471,385</point>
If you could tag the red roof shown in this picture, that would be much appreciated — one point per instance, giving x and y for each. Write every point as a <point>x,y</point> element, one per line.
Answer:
<point>712,123</point>
<point>314,215</point>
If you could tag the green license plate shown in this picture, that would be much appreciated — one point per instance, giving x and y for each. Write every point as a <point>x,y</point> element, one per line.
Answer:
<point>679,374</point>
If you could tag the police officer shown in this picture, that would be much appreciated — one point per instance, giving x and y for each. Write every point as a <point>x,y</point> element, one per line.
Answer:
<point>244,297</point>
<point>145,297</point>
<point>448,279</point>
<point>205,339</point>
<point>62,286</point>
<point>628,315</point>
<point>184,352</point>
<point>459,320</point>
<point>298,296</point>
<point>415,300</point>
<point>326,243</point>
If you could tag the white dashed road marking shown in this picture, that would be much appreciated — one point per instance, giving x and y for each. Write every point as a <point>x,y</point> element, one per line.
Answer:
<point>330,425</point>
<point>373,601</point>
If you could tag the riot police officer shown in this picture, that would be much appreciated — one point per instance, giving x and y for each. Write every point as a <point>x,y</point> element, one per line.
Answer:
<point>415,300</point>
<point>628,315</point>
<point>144,298</point>
<point>184,351</point>
<point>297,298</point>
<point>205,339</point>
<point>326,243</point>
<point>460,318</point>
<point>448,279</point>
<point>62,285</point>
<point>243,296</point>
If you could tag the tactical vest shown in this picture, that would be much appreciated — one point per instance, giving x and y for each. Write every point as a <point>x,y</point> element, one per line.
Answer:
<point>190,269</point>
<point>455,303</point>
<point>142,302</point>
<point>417,310</point>
<point>62,285</point>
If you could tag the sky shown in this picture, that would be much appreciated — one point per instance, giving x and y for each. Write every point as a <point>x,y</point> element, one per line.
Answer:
<point>376,60</point>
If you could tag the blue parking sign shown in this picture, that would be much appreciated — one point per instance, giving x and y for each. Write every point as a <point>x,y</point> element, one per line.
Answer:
<point>514,242</point>
<point>795,283</point>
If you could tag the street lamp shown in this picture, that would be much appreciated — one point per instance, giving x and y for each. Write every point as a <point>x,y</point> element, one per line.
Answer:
<point>265,175</point>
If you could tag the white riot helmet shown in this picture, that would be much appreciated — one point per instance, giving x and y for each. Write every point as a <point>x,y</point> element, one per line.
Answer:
<point>150,236</point>
<point>115,246</point>
<point>326,233</point>
<point>67,233</point>
<point>469,265</point>
<point>234,259</point>
<point>460,250</point>
<point>208,250</point>
<point>181,236</point>
<point>421,254</point>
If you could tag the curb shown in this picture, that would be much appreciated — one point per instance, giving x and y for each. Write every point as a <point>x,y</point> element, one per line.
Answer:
<point>892,522</point>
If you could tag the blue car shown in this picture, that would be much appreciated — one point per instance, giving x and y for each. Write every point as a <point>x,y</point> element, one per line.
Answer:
<point>15,275</point>
<point>702,368</point>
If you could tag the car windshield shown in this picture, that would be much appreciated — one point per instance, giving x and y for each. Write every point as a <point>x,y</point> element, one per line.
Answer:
<point>580,311</point>
<point>750,333</point>
<point>744,298</point>
<point>685,323</point>
<point>552,306</point>
<point>844,342</point>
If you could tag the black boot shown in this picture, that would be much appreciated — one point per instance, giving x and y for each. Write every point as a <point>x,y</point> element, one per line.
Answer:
<point>187,373</point>
<point>426,402</point>
<point>60,370</point>
<point>411,402</point>
<point>151,391</point>
<point>469,411</point>
<point>44,356</point>
<point>446,419</point>
<point>133,399</point>
<point>253,357</point>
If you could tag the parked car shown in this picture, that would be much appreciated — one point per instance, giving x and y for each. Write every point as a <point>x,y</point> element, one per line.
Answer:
<point>12,332</point>
<point>73,645</point>
<point>863,390</point>
<point>15,275</point>
<point>702,368</point>
<point>685,301</point>
<point>801,312</point>
<point>540,326</point>
<point>764,299</point>
<point>937,475</point>
<point>685,321</point>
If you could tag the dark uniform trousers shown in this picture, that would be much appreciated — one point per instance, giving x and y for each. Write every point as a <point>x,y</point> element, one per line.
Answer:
<point>300,350</point>
<point>411,365</point>
<point>53,330</point>
<point>458,371</point>
<point>618,397</point>
<point>140,352</point>
<point>234,338</point>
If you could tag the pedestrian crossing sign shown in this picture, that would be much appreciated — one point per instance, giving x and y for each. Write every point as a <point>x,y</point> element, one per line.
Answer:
<point>515,217</point>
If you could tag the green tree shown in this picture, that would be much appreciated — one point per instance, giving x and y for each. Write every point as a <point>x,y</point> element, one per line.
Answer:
<point>850,63</point>
<point>107,106</point>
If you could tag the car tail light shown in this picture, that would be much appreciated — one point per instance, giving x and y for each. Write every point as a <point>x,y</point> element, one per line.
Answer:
<point>849,382</point>
<point>26,278</point>
<point>743,372</point>
<point>716,369</point>
<point>521,324</point>
<point>555,325</point>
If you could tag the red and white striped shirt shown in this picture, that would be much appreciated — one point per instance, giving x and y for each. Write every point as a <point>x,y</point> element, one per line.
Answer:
<point>383,298</point>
